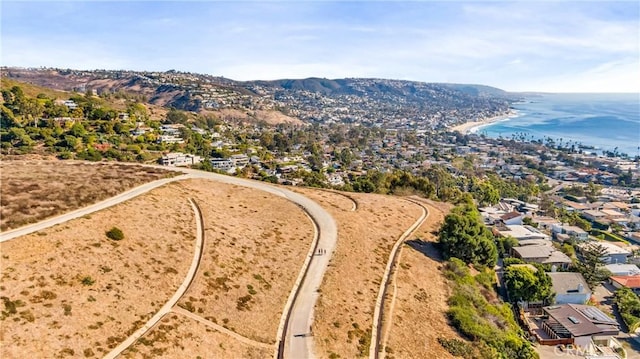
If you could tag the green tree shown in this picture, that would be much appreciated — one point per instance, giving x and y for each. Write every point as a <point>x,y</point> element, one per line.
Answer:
<point>525,284</point>
<point>591,264</point>
<point>464,236</point>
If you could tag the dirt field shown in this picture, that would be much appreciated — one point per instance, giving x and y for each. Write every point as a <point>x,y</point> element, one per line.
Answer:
<point>31,191</point>
<point>180,337</point>
<point>419,314</point>
<point>344,312</point>
<point>69,291</point>
<point>255,244</point>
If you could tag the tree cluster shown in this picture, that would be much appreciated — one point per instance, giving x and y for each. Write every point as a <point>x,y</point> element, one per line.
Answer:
<point>464,236</point>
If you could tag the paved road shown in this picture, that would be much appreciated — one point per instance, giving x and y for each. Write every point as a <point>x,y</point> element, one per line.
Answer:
<point>166,308</point>
<point>134,192</point>
<point>304,292</point>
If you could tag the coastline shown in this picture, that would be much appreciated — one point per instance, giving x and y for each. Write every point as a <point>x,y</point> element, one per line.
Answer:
<point>471,127</point>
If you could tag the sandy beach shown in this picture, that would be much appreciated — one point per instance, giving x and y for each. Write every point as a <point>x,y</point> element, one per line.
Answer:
<point>467,127</point>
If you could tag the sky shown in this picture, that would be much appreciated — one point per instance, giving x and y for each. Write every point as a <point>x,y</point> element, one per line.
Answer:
<point>551,46</point>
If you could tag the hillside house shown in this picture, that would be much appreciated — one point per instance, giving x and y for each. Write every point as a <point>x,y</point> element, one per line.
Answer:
<point>573,232</point>
<point>520,232</point>
<point>613,254</point>
<point>580,323</point>
<point>223,164</point>
<point>621,269</point>
<point>178,159</point>
<point>570,288</point>
<point>543,254</point>
<point>630,281</point>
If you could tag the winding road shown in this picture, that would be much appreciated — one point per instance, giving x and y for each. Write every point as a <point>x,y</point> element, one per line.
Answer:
<point>298,312</point>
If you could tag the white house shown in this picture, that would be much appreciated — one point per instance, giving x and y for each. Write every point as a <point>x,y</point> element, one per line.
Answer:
<point>180,159</point>
<point>223,164</point>
<point>621,269</point>
<point>521,232</point>
<point>574,232</point>
<point>512,218</point>
<point>570,288</point>
<point>613,254</point>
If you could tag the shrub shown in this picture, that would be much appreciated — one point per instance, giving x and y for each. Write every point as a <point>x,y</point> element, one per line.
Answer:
<point>456,347</point>
<point>115,233</point>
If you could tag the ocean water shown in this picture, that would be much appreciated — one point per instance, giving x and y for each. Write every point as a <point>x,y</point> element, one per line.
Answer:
<point>604,121</point>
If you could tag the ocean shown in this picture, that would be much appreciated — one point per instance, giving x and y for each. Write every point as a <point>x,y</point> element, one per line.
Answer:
<point>608,122</point>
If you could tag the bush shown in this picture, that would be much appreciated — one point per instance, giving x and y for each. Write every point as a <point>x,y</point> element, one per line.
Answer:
<point>629,306</point>
<point>488,323</point>
<point>456,347</point>
<point>115,233</point>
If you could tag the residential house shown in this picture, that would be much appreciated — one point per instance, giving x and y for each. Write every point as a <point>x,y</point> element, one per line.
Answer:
<point>178,159</point>
<point>170,139</point>
<point>621,269</point>
<point>544,254</point>
<point>593,215</point>
<point>70,104</point>
<point>573,232</point>
<point>613,253</point>
<point>240,161</point>
<point>545,223</point>
<point>512,218</point>
<point>223,164</point>
<point>570,288</point>
<point>629,281</point>
<point>520,232</point>
<point>580,323</point>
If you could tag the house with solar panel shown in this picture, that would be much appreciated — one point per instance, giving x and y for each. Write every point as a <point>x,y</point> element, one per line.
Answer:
<point>578,324</point>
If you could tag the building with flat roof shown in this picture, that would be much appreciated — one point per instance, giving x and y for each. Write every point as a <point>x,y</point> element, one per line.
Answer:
<point>613,253</point>
<point>622,269</point>
<point>521,232</point>
<point>180,159</point>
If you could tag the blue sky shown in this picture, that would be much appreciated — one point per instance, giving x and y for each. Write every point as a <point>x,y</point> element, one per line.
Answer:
<point>555,46</point>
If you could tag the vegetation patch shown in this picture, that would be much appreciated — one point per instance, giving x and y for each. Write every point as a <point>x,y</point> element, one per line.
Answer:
<point>629,306</point>
<point>115,233</point>
<point>489,324</point>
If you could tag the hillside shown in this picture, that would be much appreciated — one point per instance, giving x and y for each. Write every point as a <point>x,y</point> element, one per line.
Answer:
<point>100,290</point>
<point>359,100</point>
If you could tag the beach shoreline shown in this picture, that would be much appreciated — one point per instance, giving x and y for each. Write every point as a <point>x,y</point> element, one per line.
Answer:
<point>471,127</point>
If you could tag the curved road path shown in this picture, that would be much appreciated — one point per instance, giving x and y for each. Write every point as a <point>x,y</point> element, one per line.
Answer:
<point>378,314</point>
<point>166,308</point>
<point>299,308</point>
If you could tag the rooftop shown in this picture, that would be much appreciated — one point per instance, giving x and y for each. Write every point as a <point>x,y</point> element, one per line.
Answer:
<point>629,281</point>
<point>568,282</point>
<point>618,268</point>
<point>581,320</point>
<point>547,252</point>
<point>521,232</point>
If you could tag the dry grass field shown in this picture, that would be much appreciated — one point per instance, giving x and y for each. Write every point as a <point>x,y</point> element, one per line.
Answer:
<point>344,312</point>
<point>255,244</point>
<point>419,313</point>
<point>180,337</point>
<point>69,291</point>
<point>31,191</point>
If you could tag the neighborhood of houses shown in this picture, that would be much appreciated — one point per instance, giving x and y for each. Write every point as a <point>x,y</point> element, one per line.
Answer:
<point>578,317</point>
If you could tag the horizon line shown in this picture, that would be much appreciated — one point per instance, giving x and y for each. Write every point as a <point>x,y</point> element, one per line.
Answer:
<point>521,92</point>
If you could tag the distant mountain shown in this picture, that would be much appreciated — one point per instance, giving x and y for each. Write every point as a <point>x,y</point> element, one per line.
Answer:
<point>354,86</point>
<point>368,101</point>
